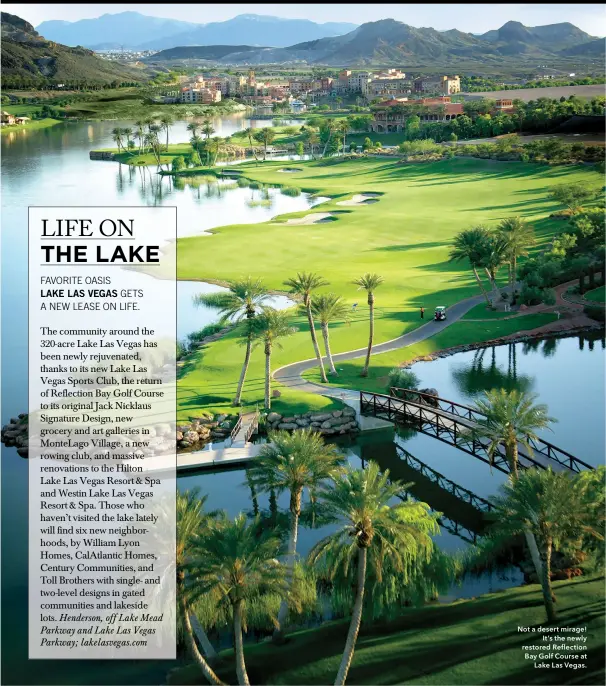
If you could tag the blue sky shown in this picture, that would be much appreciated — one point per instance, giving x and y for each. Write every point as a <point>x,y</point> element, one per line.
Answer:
<point>474,18</point>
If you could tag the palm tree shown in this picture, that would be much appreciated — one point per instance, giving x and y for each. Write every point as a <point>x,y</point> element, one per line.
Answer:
<point>166,121</point>
<point>511,419</point>
<point>328,308</point>
<point>293,462</point>
<point>128,133</point>
<point>556,508</point>
<point>117,137</point>
<point>303,285</point>
<point>249,133</point>
<point>330,127</point>
<point>236,564</point>
<point>343,127</point>
<point>370,283</point>
<point>312,140</point>
<point>244,299</point>
<point>149,122</point>
<point>190,520</point>
<point>207,129</point>
<point>193,127</point>
<point>471,244</point>
<point>519,237</point>
<point>375,534</point>
<point>495,256</point>
<point>264,136</point>
<point>140,124</point>
<point>267,329</point>
<point>215,147</point>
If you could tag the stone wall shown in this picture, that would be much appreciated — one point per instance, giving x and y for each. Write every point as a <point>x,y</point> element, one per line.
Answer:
<point>327,423</point>
<point>97,155</point>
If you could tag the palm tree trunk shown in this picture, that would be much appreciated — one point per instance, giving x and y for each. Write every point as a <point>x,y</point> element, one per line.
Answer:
<point>356,620</point>
<point>240,664</point>
<point>267,377</point>
<point>548,596</point>
<point>480,284</point>
<point>207,646</point>
<point>493,282</point>
<point>371,334</point>
<point>278,635</point>
<point>238,399</point>
<point>327,142</point>
<point>331,364</point>
<point>314,340</point>
<point>191,644</point>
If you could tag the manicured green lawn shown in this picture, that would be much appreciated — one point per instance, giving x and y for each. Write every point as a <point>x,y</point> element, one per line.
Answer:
<point>405,237</point>
<point>481,311</point>
<point>33,125</point>
<point>596,295</point>
<point>468,642</point>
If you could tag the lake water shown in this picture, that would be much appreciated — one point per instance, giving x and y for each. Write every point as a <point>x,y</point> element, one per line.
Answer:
<point>51,166</point>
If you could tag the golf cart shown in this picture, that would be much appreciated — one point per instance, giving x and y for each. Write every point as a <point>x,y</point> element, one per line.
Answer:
<point>440,314</point>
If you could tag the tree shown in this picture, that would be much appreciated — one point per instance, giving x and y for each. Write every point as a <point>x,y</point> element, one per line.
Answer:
<point>166,122</point>
<point>367,144</point>
<point>302,286</point>
<point>375,534</point>
<point>343,129</point>
<point>557,507</point>
<point>519,237</point>
<point>178,163</point>
<point>471,244</point>
<point>266,137</point>
<point>207,129</point>
<point>494,257</point>
<point>328,308</point>
<point>193,127</point>
<point>117,137</point>
<point>249,133</point>
<point>572,195</point>
<point>244,299</point>
<point>299,149</point>
<point>235,565</point>
<point>268,329</point>
<point>511,419</point>
<point>370,283</point>
<point>327,130</point>
<point>190,519</point>
<point>293,462</point>
<point>140,124</point>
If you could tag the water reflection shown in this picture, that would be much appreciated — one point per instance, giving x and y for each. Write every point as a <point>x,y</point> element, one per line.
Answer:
<point>483,373</point>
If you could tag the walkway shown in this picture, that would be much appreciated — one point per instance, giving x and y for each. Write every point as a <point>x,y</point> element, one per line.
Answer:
<point>290,375</point>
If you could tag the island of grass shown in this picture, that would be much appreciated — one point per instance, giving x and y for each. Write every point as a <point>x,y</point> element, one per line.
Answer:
<point>466,642</point>
<point>405,237</point>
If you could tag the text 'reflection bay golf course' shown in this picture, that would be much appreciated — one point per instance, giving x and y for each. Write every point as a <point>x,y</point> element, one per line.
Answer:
<point>405,237</point>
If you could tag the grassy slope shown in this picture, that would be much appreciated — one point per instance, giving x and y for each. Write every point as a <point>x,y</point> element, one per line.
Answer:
<point>404,237</point>
<point>596,295</point>
<point>467,642</point>
<point>37,124</point>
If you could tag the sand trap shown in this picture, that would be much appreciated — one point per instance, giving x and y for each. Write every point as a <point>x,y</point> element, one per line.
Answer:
<point>361,199</point>
<point>313,218</point>
<point>289,170</point>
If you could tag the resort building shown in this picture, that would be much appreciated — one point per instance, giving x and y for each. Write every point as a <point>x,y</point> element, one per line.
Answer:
<point>444,85</point>
<point>204,96</point>
<point>391,115</point>
<point>7,118</point>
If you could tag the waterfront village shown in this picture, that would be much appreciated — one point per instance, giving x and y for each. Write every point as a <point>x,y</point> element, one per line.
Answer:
<point>384,89</point>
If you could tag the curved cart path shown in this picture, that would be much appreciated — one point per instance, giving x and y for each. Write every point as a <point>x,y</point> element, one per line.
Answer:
<point>290,375</point>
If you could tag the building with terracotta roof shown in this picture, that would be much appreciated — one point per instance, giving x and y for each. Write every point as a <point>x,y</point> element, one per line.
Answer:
<point>391,115</point>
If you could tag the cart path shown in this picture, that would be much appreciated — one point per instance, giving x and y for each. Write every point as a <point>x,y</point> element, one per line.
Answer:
<point>290,375</point>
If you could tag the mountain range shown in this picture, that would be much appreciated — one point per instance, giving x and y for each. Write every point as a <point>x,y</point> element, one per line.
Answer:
<point>29,58</point>
<point>390,41</point>
<point>133,30</point>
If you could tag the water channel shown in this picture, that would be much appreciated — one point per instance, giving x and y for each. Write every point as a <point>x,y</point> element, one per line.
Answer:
<point>51,166</point>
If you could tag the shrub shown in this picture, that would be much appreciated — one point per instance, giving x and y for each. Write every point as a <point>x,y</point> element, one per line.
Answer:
<point>242,182</point>
<point>208,330</point>
<point>178,163</point>
<point>595,312</point>
<point>402,378</point>
<point>255,185</point>
<point>291,191</point>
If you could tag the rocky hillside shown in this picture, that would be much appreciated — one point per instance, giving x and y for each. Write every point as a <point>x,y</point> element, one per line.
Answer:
<point>29,60</point>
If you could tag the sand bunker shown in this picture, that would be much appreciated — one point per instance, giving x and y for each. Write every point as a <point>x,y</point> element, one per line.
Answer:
<point>289,170</point>
<point>361,199</point>
<point>313,218</point>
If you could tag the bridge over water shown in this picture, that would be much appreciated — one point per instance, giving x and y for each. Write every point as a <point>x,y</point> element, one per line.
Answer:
<point>452,423</point>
